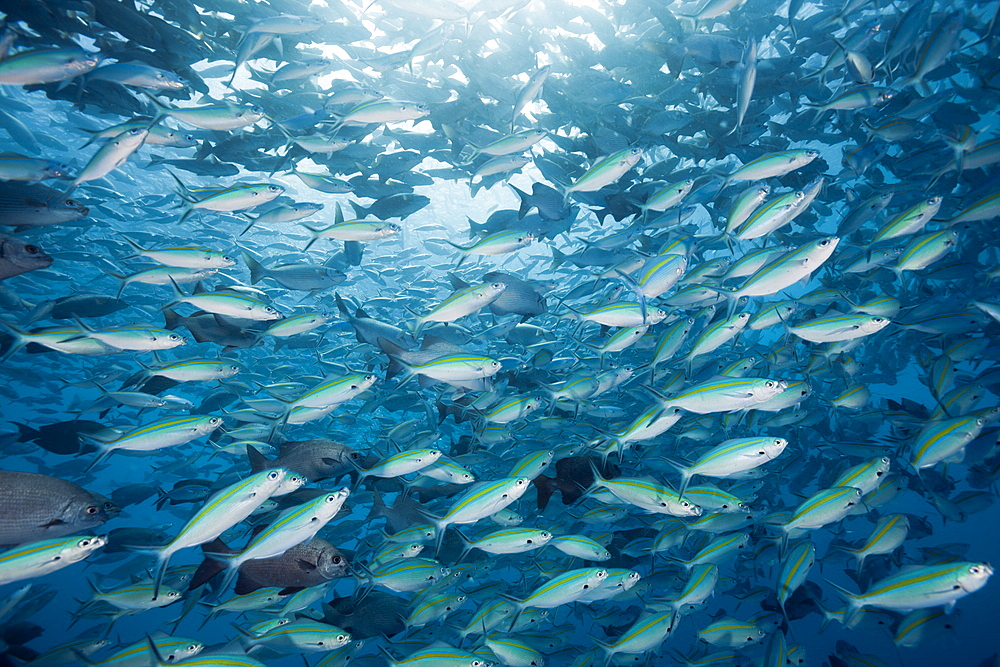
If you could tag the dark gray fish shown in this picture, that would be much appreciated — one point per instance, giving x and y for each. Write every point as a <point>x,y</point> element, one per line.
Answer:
<point>402,514</point>
<point>298,276</point>
<point>205,327</point>
<point>376,614</point>
<point>574,475</point>
<point>316,460</point>
<point>302,566</point>
<point>17,257</point>
<point>186,491</point>
<point>133,494</point>
<point>120,539</point>
<point>38,507</point>
<point>520,297</point>
<point>547,200</point>
<point>400,205</point>
<point>79,306</point>
<point>61,437</point>
<point>208,166</point>
<point>36,205</point>
<point>369,330</point>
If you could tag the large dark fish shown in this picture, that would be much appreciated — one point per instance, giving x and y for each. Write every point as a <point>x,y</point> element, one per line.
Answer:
<point>36,205</point>
<point>38,507</point>
<point>369,330</point>
<point>302,566</point>
<point>61,437</point>
<point>574,475</point>
<point>404,513</point>
<point>120,539</point>
<point>78,306</point>
<point>314,459</point>
<point>17,257</point>
<point>377,613</point>
<point>205,327</point>
<point>399,205</point>
<point>520,297</point>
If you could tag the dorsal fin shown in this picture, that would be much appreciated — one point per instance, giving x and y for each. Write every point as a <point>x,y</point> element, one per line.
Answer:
<point>456,282</point>
<point>431,340</point>
<point>258,461</point>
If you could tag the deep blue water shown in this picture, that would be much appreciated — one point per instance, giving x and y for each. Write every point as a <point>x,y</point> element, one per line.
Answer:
<point>622,75</point>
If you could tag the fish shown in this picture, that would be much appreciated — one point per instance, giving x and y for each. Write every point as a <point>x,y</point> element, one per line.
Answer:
<point>296,276</point>
<point>759,381</point>
<point>45,556</point>
<point>574,476</point>
<point>316,460</point>
<point>301,566</point>
<point>61,437</point>
<point>44,507</point>
<point>376,614</point>
<point>17,257</point>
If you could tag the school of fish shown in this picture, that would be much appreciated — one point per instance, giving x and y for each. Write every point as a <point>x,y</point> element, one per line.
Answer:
<point>458,333</point>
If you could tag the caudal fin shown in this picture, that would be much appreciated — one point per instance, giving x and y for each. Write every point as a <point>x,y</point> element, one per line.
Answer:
<point>854,603</point>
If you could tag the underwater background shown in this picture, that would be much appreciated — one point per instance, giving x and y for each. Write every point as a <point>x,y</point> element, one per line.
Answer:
<point>695,301</point>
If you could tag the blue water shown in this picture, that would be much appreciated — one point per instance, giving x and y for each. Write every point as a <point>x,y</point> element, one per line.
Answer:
<point>617,81</point>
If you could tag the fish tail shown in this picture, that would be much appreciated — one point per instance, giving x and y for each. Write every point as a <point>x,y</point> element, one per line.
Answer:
<point>135,246</point>
<point>468,153</point>
<point>104,451</point>
<point>854,602</point>
<point>465,545</point>
<point>161,108</point>
<point>440,528</point>
<point>18,342</point>
<point>315,232</point>
<point>171,319</point>
<point>256,270</point>
<point>546,488</point>
<point>249,225</point>
<point>558,258</point>
<point>232,569</point>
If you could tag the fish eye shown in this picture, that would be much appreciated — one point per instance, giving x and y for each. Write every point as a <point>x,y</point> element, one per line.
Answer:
<point>193,647</point>
<point>272,475</point>
<point>31,249</point>
<point>824,242</point>
<point>84,543</point>
<point>769,384</point>
<point>92,509</point>
<point>336,560</point>
<point>174,337</point>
